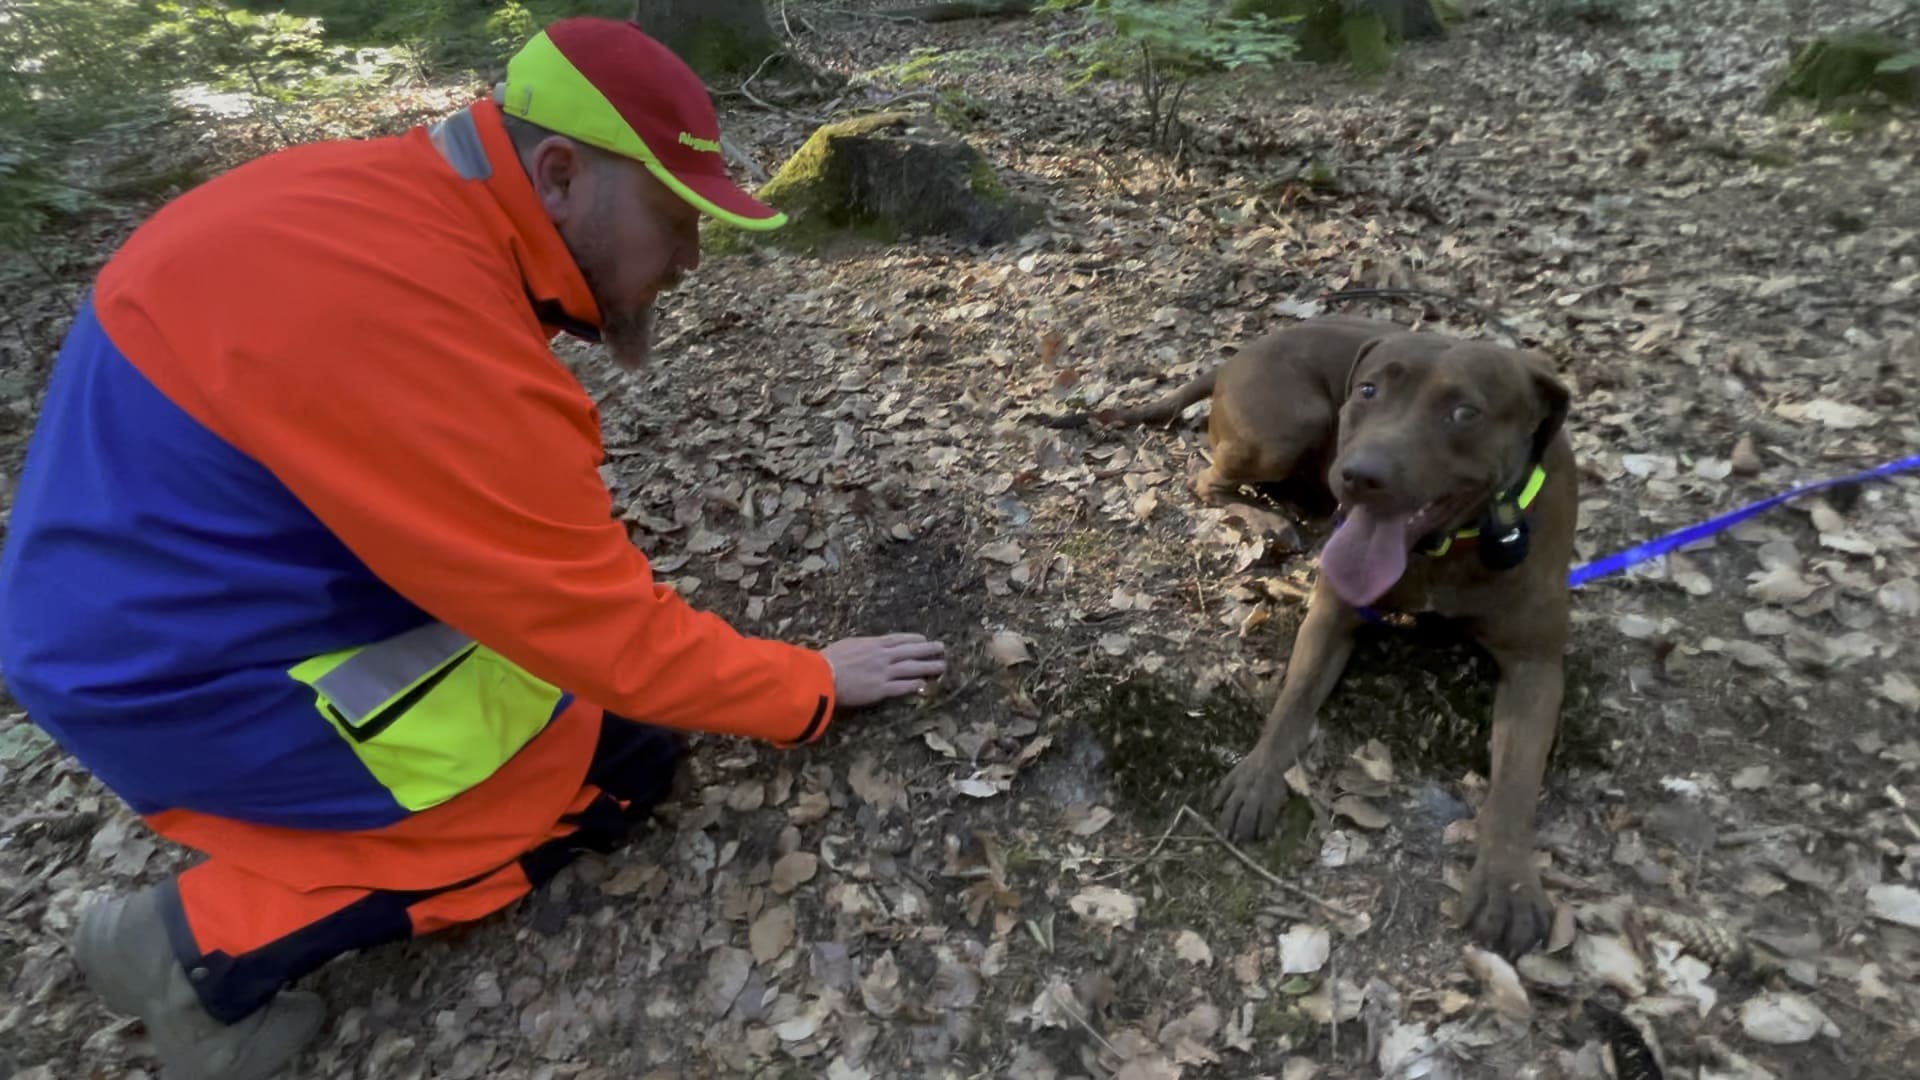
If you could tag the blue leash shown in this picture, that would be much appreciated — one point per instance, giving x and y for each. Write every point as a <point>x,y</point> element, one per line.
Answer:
<point>1653,549</point>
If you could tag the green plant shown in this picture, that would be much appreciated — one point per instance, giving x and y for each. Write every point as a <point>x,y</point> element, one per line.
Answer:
<point>1162,45</point>
<point>81,81</point>
<point>68,68</point>
<point>510,27</point>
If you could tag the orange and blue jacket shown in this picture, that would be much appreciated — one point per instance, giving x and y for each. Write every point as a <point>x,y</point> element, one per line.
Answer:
<point>311,532</point>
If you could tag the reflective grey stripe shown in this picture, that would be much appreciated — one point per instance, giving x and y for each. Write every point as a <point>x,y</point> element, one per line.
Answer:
<point>459,141</point>
<point>382,671</point>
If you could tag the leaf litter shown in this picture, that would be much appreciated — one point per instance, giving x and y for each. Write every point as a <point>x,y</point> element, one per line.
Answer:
<point>966,857</point>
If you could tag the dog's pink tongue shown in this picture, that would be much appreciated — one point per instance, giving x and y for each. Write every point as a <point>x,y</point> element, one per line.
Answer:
<point>1366,555</point>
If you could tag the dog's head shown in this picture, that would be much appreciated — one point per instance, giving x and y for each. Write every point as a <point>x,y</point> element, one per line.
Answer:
<point>1432,429</point>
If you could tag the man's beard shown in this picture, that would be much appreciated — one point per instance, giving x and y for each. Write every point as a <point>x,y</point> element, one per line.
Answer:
<point>628,335</point>
<point>627,332</point>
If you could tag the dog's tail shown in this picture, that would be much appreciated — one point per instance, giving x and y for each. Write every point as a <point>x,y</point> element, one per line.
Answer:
<point>1158,411</point>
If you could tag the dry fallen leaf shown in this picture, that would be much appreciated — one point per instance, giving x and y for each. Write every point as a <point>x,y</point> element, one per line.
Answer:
<point>1104,906</point>
<point>771,933</point>
<point>1544,970</point>
<point>1008,553</point>
<point>1612,962</point>
<point>1686,573</point>
<point>804,1025</point>
<point>1187,1040</point>
<point>1304,949</point>
<point>747,796</point>
<point>879,789</point>
<point>1752,778</point>
<point>1375,760</point>
<point>1899,597</point>
<point>1895,903</point>
<point>809,808</point>
<point>1085,820</point>
<point>1781,585</point>
<point>1360,812</point>
<point>1300,1068</point>
<point>793,870</point>
<point>1767,622</point>
<point>727,971</point>
<point>1008,648</point>
<point>1836,415</point>
<point>880,990</point>
<point>1780,1017</point>
<point>1501,982</point>
<point>1343,848</point>
<point>1683,975</point>
<point>1334,997</point>
<point>1192,948</point>
<point>1900,690</point>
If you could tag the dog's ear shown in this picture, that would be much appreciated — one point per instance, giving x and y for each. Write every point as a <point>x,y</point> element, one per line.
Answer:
<point>1553,398</point>
<point>1359,357</point>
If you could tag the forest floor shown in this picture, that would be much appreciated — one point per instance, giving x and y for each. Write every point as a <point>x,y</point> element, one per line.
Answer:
<point>1002,879</point>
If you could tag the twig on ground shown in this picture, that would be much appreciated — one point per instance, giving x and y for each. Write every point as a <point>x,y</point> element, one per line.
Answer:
<point>1082,1021</point>
<point>1269,876</point>
<point>1039,580</point>
<point>1333,1001</point>
<point>1151,854</point>
<point>743,159</point>
<point>1199,584</point>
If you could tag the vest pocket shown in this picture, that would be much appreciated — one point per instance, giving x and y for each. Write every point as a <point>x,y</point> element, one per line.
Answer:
<point>429,712</point>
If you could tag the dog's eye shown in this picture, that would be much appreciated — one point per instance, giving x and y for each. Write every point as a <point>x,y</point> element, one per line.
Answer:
<point>1463,414</point>
<point>1367,390</point>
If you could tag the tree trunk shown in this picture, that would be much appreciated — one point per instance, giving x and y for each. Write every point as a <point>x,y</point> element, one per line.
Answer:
<point>717,38</point>
<point>1409,20</point>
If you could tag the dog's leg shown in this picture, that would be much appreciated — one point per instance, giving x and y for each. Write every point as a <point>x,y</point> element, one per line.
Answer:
<point>1250,798</point>
<point>1505,906</point>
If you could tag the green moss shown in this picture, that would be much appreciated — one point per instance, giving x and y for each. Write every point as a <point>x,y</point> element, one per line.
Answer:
<point>925,63</point>
<point>1849,68</point>
<point>1321,177</point>
<point>797,183</point>
<point>1365,35</point>
<point>800,189</point>
<point>987,185</point>
<point>835,189</point>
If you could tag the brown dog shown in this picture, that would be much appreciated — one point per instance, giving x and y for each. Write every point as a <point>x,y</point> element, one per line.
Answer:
<point>1418,436</point>
<point>1437,436</point>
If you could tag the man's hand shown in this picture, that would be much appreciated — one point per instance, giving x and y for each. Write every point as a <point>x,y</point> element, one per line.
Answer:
<point>872,669</point>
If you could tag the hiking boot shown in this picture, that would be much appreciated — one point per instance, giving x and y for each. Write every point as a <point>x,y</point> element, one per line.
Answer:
<point>123,949</point>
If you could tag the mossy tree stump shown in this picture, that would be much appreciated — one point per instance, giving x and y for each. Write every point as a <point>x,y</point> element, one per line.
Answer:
<point>887,176</point>
<point>1851,66</point>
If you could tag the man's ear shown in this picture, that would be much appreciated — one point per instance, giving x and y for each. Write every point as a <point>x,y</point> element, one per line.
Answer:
<point>554,167</point>
<point>1553,398</point>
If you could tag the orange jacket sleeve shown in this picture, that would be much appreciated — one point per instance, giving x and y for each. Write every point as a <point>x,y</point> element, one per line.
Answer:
<point>438,437</point>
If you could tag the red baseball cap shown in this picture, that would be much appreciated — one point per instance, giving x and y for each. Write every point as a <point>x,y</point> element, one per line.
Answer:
<point>607,84</point>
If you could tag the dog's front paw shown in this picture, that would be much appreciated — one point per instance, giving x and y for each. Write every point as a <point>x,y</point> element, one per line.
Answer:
<point>1505,908</point>
<point>1249,800</point>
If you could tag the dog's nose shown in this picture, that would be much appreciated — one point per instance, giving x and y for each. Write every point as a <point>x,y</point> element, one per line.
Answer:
<point>1363,475</point>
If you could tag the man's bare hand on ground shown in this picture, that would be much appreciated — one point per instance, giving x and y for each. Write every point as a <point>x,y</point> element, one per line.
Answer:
<point>872,669</point>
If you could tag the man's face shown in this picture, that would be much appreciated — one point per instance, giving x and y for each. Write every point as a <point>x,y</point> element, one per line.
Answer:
<point>631,237</point>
